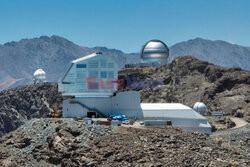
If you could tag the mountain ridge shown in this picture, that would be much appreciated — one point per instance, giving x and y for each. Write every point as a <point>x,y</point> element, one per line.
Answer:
<point>19,59</point>
<point>218,52</point>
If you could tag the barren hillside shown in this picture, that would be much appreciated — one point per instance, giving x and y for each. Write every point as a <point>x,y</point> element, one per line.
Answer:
<point>65,142</point>
<point>188,80</point>
<point>22,103</point>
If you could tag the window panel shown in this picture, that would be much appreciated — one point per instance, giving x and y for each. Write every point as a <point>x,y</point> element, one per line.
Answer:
<point>81,66</point>
<point>110,65</point>
<point>93,64</point>
<point>110,74</point>
<point>103,74</point>
<point>80,75</point>
<point>93,74</point>
<point>79,80</point>
<point>103,63</point>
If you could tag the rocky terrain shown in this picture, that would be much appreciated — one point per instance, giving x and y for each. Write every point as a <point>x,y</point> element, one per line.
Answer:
<point>220,122</point>
<point>188,80</point>
<point>65,142</point>
<point>22,103</point>
<point>47,142</point>
<point>237,139</point>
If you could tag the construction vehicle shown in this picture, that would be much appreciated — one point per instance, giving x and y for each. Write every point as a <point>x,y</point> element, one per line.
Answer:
<point>55,112</point>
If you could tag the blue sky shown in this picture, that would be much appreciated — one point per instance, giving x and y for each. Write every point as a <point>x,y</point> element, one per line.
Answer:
<point>126,24</point>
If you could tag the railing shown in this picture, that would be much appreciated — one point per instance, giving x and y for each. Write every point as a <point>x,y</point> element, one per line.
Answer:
<point>88,108</point>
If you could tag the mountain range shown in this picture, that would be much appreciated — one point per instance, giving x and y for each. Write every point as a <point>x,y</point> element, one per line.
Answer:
<point>217,52</point>
<point>19,60</point>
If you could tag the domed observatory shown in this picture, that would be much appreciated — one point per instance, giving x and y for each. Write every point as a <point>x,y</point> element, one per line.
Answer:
<point>39,76</point>
<point>200,108</point>
<point>155,53</point>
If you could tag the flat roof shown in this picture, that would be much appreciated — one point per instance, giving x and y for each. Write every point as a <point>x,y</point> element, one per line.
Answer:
<point>163,106</point>
<point>89,94</point>
<point>169,110</point>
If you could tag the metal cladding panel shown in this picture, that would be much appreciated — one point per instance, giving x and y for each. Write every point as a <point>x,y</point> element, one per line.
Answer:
<point>200,107</point>
<point>155,49</point>
<point>72,110</point>
<point>176,122</point>
<point>169,110</point>
<point>127,103</point>
<point>102,104</point>
<point>101,68</point>
<point>157,114</point>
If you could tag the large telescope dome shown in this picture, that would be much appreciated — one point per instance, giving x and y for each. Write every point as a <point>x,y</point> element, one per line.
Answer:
<point>155,51</point>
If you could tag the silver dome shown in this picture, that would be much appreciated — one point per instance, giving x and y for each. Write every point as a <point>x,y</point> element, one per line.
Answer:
<point>155,49</point>
<point>200,107</point>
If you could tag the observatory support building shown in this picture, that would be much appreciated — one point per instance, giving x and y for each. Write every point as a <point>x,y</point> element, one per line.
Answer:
<point>89,88</point>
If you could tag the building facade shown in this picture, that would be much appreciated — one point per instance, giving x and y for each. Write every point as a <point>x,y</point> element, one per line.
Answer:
<point>92,75</point>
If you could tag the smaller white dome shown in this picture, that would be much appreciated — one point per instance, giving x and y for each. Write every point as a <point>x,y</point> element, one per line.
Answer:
<point>200,107</point>
<point>40,74</point>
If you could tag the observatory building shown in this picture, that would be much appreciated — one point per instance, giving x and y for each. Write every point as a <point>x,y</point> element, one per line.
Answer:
<point>90,89</point>
<point>39,76</point>
<point>89,70</point>
<point>155,52</point>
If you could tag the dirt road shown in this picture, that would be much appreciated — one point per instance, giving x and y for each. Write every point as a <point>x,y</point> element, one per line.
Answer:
<point>239,122</point>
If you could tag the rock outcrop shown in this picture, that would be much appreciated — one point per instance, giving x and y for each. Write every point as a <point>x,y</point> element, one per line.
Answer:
<point>20,104</point>
<point>188,80</point>
<point>65,142</point>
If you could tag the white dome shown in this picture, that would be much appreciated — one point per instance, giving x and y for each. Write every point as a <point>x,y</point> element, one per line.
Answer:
<point>200,107</point>
<point>155,49</point>
<point>40,74</point>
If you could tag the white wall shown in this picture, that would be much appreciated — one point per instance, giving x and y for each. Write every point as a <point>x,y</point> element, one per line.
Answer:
<point>102,104</point>
<point>127,103</point>
<point>73,110</point>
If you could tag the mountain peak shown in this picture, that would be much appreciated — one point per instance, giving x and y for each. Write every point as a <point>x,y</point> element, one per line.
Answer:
<point>198,39</point>
<point>55,37</point>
